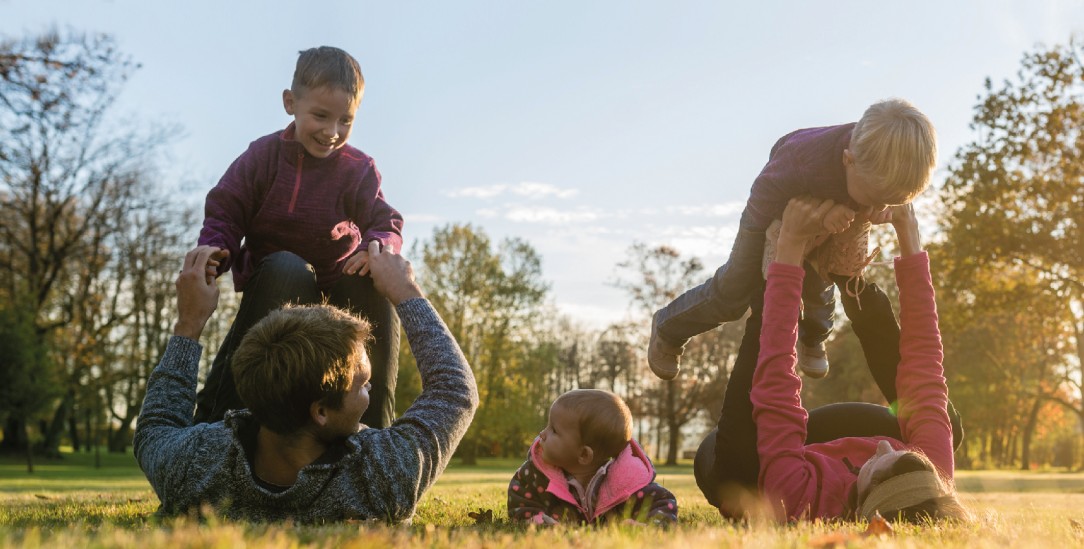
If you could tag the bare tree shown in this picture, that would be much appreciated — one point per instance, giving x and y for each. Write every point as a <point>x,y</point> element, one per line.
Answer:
<point>68,180</point>
<point>655,277</point>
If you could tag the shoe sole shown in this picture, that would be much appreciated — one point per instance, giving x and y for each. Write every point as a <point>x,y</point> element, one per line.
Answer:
<point>665,374</point>
<point>815,374</point>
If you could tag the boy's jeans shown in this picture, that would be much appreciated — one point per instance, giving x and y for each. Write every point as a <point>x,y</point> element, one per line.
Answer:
<point>725,297</point>
<point>284,277</point>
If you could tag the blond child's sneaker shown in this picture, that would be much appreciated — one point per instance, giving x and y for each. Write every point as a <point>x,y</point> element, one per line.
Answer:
<point>663,358</point>
<point>812,360</point>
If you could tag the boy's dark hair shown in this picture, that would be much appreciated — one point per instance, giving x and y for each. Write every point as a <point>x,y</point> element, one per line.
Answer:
<point>295,356</point>
<point>327,66</point>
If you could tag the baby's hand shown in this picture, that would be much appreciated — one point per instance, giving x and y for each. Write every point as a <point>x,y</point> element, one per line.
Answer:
<point>838,219</point>
<point>543,519</point>
<point>357,263</point>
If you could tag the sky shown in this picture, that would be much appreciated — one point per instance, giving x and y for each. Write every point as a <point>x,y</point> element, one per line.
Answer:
<point>581,127</point>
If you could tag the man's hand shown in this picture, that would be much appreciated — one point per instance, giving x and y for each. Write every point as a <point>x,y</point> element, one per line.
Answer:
<point>359,262</point>
<point>197,293</point>
<point>392,275</point>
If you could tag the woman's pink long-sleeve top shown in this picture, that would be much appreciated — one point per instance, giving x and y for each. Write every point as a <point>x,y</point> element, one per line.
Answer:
<point>812,481</point>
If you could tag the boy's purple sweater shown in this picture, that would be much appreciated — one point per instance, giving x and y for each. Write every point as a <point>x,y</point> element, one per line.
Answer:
<point>277,197</point>
<point>803,162</point>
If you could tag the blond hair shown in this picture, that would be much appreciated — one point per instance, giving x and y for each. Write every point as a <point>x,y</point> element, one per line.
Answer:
<point>327,66</point>
<point>895,150</point>
<point>604,420</point>
<point>296,356</point>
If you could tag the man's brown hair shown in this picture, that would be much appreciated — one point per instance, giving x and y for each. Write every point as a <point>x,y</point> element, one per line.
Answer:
<point>295,356</point>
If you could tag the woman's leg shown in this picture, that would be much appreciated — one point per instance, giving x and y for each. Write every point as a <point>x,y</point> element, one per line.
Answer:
<point>358,294</point>
<point>727,466</point>
<point>851,419</point>
<point>874,322</point>
<point>281,277</point>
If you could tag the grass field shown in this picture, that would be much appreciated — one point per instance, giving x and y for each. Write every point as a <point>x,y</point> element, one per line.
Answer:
<point>69,503</point>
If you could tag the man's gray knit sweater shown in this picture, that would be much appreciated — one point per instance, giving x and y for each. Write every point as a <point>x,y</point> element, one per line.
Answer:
<point>376,474</point>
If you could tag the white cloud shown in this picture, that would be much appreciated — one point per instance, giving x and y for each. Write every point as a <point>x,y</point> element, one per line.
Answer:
<point>423,218</point>
<point>724,209</point>
<point>477,192</point>
<point>710,243</point>
<point>533,189</point>
<point>528,189</point>
<point>592,316</point>
<point>552,216</point>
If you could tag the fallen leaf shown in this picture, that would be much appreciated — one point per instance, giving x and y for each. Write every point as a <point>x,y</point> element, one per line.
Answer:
<point>835,539</point>
<point>482,516</point>
<point>878,526</point>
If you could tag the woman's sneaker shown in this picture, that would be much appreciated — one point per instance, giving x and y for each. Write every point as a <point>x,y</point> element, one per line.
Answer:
<point>812,360</point>
<point>663,358</point>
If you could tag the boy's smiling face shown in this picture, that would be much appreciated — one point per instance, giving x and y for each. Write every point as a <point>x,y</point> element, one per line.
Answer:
<point>323,118</point>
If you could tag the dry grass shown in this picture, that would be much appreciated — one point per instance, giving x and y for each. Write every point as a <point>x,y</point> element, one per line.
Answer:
<point>73,505</point>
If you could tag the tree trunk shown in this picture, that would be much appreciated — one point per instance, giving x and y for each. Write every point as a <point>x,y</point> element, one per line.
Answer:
<point>15,441</point>
<point>672,424</point>
<point>118,439</point>
<point>29,452</point>
<point>50,444</point>
<point>73,429</point>
<point>658,438</point>
<point>88,430</point>
<point>1029,429</point>
<point>468,452</point>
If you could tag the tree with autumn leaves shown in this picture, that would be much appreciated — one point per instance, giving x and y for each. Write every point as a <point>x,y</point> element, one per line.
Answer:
<point>1010,268</point>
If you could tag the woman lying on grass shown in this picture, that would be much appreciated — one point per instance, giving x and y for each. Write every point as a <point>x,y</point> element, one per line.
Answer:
<point>908,476</point>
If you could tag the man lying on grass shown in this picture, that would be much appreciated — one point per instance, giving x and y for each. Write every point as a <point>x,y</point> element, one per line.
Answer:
<point>298,451</point>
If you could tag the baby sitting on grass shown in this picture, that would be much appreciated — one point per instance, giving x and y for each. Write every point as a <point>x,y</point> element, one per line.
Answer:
<point>585,468</point>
